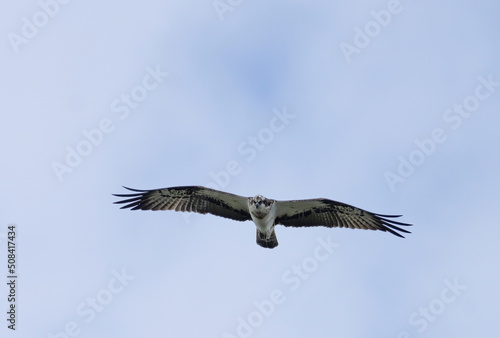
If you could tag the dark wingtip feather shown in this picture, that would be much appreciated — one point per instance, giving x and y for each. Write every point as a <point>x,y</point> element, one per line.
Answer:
<point>140,192</point>
<point>390,225</point>
<point>133,200</point>
<point>137,190</point>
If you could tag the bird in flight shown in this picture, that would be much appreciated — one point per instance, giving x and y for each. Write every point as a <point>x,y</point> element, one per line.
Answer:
<point>264,212</point>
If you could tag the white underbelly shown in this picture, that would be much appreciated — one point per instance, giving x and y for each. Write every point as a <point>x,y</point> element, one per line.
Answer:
<point>265,224</point>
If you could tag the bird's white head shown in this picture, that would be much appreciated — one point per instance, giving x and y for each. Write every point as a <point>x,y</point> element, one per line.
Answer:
<point>260,206</point>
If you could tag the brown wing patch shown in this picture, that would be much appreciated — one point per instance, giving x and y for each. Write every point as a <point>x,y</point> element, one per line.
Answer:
<point>190,199</point>
<point>328,213</point>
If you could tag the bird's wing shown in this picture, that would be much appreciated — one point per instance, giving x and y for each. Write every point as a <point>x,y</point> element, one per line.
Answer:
<point>190,198</point>
<point>325,212</point>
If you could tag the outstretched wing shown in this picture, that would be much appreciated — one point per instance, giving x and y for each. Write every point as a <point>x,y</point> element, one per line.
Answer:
<point>190,198</point>
<point>325,212</point>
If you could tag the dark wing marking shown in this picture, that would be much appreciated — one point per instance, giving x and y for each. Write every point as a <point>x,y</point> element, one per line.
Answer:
<point>190,198</point>
<point>325,212</point>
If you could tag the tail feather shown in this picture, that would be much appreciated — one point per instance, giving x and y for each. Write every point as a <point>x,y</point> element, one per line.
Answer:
<point>265,242</point>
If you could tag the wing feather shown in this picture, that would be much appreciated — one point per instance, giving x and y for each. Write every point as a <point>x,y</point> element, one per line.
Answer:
<point>328,213</point>
<point>189,198</point>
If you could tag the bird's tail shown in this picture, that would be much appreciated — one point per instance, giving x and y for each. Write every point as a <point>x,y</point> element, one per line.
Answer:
<point>265,242</point>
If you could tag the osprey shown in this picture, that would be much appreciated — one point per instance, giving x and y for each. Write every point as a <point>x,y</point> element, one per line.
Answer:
<point>264,212</point>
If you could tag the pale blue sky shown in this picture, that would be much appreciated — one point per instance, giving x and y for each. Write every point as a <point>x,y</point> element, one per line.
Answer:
<point>260,99</point>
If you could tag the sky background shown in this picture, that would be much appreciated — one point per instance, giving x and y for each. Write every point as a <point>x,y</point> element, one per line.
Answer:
<point>390,106</point>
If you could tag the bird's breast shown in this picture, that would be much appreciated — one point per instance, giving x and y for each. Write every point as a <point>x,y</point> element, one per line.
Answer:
<point>263,220</point>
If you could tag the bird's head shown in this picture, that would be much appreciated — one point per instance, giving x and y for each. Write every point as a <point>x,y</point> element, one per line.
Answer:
<point>260,205</point>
